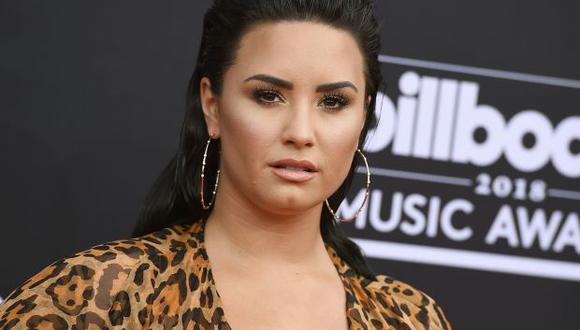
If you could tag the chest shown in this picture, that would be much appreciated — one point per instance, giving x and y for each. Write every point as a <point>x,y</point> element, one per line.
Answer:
<point>282,304</point>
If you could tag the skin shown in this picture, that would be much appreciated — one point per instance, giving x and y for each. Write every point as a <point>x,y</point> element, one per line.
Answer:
<point>263,236</point>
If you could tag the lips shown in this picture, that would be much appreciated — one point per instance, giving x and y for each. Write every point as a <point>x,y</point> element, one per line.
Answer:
<point>294,170</point>
<point>292,164</point>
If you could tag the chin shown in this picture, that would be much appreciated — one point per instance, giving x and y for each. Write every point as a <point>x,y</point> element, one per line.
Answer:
<point>288,205</point>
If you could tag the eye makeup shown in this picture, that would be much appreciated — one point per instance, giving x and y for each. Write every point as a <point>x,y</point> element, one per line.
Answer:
<point>268,92</point>
<point>267,95</point>
<point>337,97</point>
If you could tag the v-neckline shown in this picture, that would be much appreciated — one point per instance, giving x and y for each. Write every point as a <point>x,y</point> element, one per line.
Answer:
<point>347,288</point>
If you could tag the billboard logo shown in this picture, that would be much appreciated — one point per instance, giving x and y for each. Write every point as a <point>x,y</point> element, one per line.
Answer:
<point>501,213</point>
<point>441,119</point>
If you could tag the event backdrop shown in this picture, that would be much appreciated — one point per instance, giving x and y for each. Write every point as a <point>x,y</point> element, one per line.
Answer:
<point>476,160</point>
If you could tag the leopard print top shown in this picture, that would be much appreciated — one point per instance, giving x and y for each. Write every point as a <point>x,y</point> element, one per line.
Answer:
<point>163,281</point>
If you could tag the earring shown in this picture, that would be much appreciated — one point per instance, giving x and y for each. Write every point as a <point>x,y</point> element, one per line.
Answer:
<point>334,215</point>
<point>217,179</point>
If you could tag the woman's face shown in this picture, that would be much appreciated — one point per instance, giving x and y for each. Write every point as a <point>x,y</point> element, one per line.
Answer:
<point>295,92</point>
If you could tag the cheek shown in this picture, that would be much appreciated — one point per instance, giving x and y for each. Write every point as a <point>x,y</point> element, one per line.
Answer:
<point>340,144</point>
<point>245,137</point>
<point>342,133</point>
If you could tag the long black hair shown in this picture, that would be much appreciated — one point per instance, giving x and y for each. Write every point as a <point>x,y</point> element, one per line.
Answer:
<point>174,196</point>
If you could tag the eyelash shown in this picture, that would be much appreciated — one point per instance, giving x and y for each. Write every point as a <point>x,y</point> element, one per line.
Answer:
<point>340,98</point>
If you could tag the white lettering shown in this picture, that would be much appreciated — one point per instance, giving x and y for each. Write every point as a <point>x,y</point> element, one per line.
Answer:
<point>411,207</point>
<point>427,123</point>
<point>413,215</point>
<point>395,216</point>
<point>470,117</point>
<point>537,227</point>
<point>564,161</point>
<point>523,158</point>
<point>503,227</point>
<point>447,216</point>
<point>347,209</point>
<point>569,234</point>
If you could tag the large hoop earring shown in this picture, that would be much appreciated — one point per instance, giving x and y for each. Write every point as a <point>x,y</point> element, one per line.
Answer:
<point>217,179</point>
<point>334,215</point>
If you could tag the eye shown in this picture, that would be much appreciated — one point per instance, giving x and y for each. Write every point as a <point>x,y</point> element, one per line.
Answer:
<point>266,96</point>
<point>335,101</point>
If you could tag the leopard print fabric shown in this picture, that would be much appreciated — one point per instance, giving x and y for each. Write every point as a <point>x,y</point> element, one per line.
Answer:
<point>163,281</point>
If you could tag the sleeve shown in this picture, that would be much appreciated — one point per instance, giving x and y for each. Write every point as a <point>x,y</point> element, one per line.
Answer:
<point>81,292</point>
<point>434,313</point>
<point>417,308</point>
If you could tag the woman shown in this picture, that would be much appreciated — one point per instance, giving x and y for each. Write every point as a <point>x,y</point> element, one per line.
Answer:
<point>279,104</point>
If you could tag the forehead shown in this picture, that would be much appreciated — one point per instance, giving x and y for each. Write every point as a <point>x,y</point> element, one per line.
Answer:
<point>299,50</point>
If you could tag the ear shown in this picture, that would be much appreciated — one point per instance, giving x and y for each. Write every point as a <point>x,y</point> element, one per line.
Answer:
<point>366,107</point>
<point>209,105</point>
<point>367,103</point>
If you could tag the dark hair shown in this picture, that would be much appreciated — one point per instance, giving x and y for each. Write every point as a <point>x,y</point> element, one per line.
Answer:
<point>174,197</point>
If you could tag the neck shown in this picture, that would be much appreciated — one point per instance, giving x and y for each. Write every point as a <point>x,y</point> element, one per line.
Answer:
<point>249,235</point>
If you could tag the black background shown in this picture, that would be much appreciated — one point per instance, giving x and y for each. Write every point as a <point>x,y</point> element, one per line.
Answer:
<point>92,98</point>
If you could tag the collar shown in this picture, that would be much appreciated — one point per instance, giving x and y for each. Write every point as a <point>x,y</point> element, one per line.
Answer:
<point>357,315</point>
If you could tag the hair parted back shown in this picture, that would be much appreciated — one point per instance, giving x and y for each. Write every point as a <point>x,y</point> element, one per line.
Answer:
<point>174,196</point>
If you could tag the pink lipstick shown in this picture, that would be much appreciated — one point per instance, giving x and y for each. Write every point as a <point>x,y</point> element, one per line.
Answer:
<point>294,170</point>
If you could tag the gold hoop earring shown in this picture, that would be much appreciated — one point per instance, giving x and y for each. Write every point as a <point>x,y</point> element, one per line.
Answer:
<point>217,179</point>
<point>334,215</point>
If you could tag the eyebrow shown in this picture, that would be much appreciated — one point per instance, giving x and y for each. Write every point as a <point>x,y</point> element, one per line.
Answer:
<point>288,85</point>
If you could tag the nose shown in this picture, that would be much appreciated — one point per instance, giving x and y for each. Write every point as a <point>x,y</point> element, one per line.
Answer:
<point>299,127</point>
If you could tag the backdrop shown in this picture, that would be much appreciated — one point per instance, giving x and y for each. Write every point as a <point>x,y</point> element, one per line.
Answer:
<point>476,161</point>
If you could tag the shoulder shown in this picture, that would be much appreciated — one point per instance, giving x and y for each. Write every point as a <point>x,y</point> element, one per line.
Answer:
<point>408,304</point>
<point>91,286</point>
